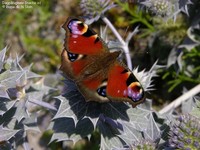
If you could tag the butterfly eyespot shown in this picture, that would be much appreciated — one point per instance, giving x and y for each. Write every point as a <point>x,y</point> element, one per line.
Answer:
<point>77,27</point>
<point>72,57</point>
<point>134,92</point>
<point>102,91</point>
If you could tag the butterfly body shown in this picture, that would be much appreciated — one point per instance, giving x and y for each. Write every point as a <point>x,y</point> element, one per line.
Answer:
<point>98,74</point>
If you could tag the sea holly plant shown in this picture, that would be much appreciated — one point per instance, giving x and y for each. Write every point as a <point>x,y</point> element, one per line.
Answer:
<point>21,90</point>
<point>185,130</point>
<point>118,123</point>
<point>167,8</point>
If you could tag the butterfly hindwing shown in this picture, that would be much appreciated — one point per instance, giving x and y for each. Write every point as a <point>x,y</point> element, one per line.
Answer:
<point>122,85</point>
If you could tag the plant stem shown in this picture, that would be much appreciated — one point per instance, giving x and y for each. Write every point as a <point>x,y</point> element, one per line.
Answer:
<point>122,42</point>
<point>43,104</point>
<point>181,99</point>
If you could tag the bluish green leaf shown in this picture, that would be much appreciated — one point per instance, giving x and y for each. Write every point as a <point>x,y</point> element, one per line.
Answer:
<point>40,86</point>
<point>109,138</point>
<point>152,132</point>
<point>7,134</point>
<point>2,57</point>
<point>31,74</point>
<point>21,109</point>
<point>3,92</point>
<point>8,78</point>
<point>30,123</point>
<point>196,110</point>
<point>129,133</point>
<point>63,129</point>
<point>84,127</point>
<point>187,105</point>
<point>5,105</point>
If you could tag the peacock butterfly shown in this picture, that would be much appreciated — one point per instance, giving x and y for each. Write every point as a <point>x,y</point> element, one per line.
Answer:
<point>98,74</point>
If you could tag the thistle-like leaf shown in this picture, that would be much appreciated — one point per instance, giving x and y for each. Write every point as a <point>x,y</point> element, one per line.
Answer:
<point>5,105</point>
<point>73,109</point>
<point>94,9</point>
<point>2,57</point>
<point>109,118</point>
<point>193,31</point>
<point>106,117</point>
<point>8,78</point>
<point>7,134</point>
<point>196,109</point>
<point>145,77</point>
<point>187,105</point>
<point>30,74</point>
<point>7,120</point>
<point>40,86</point>
<point>183,5</point>
<point>21,109</point>
<point>108,136</point>
<point>63,129</point>
<point>3,92</point>
<point>30,123</point>
<point>172,58</point>
<point>152,132</point>
<point>130,134</point>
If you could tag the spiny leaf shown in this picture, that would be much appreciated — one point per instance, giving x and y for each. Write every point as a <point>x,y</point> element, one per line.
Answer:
<point>22,80</point>
<point>5,145</point>
<point>8,78</point>
<point>31,74</point>
<point>7,134</point>
<point>13,64</point>
<point>40,86</point>
<point>21,109</point>
<point>183,5</point>
<point>108,136</point>
<point>2,57</point>
<point>196,109</point>
<point>67,110</point>
<point>116,110</point>
<point>137,131</point>
<point>8,120</point>
<point>3,92</point>
<point>30,123</point>
<point>145,77</point>
<point>63,128</point>
<point>2,54</point>
<point>187,105</point>
<point>188,44</point>
<point>82,129</point>
<point>5,105</point>
<point>152,131</point>
<point>172,57</point>
<point>138,118</point>
<point>141,126</point>
<point>129,133</point>
<point>109,118</point>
